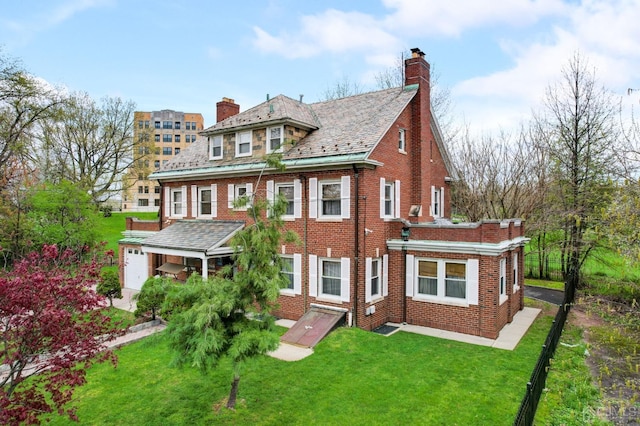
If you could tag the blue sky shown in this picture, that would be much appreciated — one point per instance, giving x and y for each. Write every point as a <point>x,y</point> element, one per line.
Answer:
<point>495,57</point>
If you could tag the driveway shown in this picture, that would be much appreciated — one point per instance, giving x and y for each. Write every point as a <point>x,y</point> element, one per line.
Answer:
<point>545,294</point>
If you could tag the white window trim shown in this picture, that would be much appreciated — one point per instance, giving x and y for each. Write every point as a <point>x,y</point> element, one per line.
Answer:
<point>402,141</point>
<point>212,141</point>
<point>269,150</point>
<point>169,204</point>
<point>272,190</point>
<point>502,281</point>
<point>232,190</point>
<point>471,278</point>
<point>315,276</point>
<point>297,275</point>
<point>514,261</point>
<point>196,196</point>
<point>369,274</point>
<point>315,199</point>
<point>437,195</point>
<point>395,199</point>
<point>239,139</point>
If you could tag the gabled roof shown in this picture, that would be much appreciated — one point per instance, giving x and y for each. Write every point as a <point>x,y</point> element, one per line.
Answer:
<point>346,129</point>
<point>194,235</point>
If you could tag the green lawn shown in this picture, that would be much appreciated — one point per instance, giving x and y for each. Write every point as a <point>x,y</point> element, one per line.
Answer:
<point>110,228</point>
<point>354,377</point>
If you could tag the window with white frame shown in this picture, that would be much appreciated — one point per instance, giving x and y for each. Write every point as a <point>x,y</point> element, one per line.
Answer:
<point>402,145</point>
<point>243,143</point>
<point>238,192</point>
<point>215,152</point>
<point>288,272</point>
<point>503,280</point>
<point>389,198</point>
<point>286,191</point>
<point>330,200</point>
<point>375,282</point>
<point>437,202</point>
<point>441,279</point>
<point>330,278</point>
<point>275,138</point>
<point>514,261</point>
<point>204,201</point>
<point>176,202</point>
<point>428,277</point>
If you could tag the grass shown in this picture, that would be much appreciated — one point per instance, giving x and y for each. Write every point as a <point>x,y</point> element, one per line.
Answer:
<point>353,377</point>
<point>557,285</point>
<point>110,228</point>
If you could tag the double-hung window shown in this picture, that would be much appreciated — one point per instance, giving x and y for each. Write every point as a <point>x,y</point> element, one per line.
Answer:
<point>166,137</point>
<point>375,278</point>
<point>455,282</point>
<point>287,271</point>
<point>204,201</point>
<point>330,279</point>
<point>239,196</point>
<point>428,277</point>
<point>330,199</point>
<point>243,144</point>
<point>285,191</point>
<point>514,261</point>
<point>175,199</point>
<point>402,143</point>
<point>376,273</point>
<point>204,204</point>
<point>274,139</point>
<point>437,202</point>
<point>389,198</point>
<point>215,152</point>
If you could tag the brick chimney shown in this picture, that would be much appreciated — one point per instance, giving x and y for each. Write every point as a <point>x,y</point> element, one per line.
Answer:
<point>226,108</point>
<point>417,72</point>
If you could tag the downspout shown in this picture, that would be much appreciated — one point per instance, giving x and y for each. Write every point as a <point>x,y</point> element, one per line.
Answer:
<point>404,291</point>
<point>305,215</point>
<point>357,245</point>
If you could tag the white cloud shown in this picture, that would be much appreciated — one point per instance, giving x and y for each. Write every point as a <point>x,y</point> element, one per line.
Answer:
<point>331,31</point>
<point>451,18</point>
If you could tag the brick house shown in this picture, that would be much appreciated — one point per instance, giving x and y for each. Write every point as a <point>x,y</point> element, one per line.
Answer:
<point>367,180</point>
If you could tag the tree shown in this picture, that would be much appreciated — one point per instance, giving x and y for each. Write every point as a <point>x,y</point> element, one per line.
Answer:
<point>90,145</point>
<point>579,131</point>
<point>152,296</point>
<point>230,316</point>
<point>109,285</point>
<point>61,214</point>
<point>51,332</point>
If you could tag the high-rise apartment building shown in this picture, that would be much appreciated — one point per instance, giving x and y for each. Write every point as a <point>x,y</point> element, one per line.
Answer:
<point>162,135</point>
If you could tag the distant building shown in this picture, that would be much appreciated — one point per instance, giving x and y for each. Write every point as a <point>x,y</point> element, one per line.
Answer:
<point>163,134</point>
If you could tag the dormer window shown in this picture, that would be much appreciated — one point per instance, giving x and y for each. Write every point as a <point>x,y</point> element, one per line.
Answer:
<point>243,144</point>
<point>215,147</point>
<point>274,139</point>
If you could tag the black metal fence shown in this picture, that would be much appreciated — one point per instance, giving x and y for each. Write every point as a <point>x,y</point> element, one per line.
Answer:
<point>536,383</point>
<point>549,268</point>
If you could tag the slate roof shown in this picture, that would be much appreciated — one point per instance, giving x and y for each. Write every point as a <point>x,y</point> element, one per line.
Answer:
<point>194,235</point>
<point>347,127</point>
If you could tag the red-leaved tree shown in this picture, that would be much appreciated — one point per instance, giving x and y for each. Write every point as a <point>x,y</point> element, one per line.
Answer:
<point>52,329</point>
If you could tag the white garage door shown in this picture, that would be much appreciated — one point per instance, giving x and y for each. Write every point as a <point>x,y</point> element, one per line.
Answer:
<point>135,268</point>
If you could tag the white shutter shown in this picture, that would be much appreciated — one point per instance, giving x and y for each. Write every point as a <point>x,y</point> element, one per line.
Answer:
<point>297,199</point>
<point>167,201</point>
<point>396,192</point>
<point>409,275</point>
<point>194,201</point>
<point>230,195</point>
<point>184,205</point>
<point>214,200</point>
<point>297,273</point>
<point>313,275</point>
<point>250,194</point>
<point>382,184</point>
<point>345,195</point>
<point>367,280</point>
<point>270,196</point>
<point>313,198</point>
<point>472,281</point>
<point>385,275</point>
<point>345,272</point>
<point>433,200</point>
<point>441,202</point>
